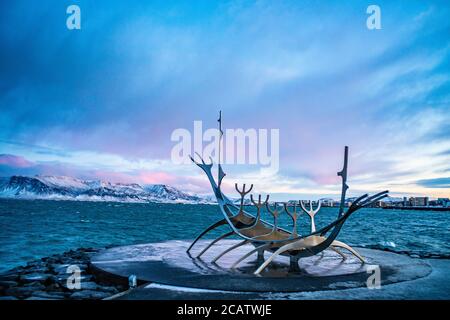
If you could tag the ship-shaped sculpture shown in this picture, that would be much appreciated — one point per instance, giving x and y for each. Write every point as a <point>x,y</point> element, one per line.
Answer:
<point>269,236</point>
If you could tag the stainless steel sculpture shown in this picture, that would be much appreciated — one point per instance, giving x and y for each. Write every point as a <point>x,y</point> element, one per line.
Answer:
<point>270,237</point>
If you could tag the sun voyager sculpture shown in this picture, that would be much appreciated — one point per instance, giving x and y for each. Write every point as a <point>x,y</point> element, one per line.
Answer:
<point>268,236</point>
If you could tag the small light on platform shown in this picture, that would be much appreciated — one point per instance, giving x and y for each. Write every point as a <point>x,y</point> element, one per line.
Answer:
<point>132,281</point>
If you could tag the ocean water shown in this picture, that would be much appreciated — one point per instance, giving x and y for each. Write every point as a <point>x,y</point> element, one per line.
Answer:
<point>35,229</point>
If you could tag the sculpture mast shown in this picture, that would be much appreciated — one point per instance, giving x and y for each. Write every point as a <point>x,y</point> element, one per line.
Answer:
<point>220,172</point>
<point>343,175</point>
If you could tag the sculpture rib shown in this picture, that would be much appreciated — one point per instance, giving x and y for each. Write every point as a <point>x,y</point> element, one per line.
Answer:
<point>240,244</point>
<point>340,244</point>
<point>286,247</point>
<point>215,241</point>
<point>338,252</point>
<point>211,227</point>
<point>248,254</point>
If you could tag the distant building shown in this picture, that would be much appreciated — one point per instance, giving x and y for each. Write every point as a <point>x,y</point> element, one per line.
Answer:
<point>418,201</point>
<point>391,202</point>
<point>381,204</point>
<point>327,202</point>
<point>445,202</point>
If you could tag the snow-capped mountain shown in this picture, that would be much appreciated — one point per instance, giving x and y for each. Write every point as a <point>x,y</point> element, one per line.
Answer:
<point>67,188</point>
<point>164,192</point>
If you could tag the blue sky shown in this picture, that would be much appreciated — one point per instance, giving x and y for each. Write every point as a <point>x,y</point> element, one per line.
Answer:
<point>101,102</point>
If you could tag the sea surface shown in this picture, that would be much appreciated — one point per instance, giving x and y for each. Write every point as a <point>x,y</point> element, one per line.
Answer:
<point>39,228</point>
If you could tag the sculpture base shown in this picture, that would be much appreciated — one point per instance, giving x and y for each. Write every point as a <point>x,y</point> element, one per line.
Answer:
<point>167,263</point>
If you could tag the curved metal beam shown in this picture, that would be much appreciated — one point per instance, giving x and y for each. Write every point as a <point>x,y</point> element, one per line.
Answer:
<point>290,246</point>
<point>214,241</point>
<point>346,246</point>
<point>248,254</point>
<point>211,227</point>
<point>338,252</point>
<point>239,244</point>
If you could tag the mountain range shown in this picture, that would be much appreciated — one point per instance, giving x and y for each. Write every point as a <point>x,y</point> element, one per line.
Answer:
<point>67,188</point>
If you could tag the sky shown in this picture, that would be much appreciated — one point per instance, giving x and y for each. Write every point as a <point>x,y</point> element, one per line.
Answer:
<point>103,101</point>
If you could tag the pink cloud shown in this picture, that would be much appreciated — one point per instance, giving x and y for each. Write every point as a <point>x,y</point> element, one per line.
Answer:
<point>156,178</point>
<point>325,179</point>
<point>191,184</point>
<point>18,165</point>
<point>15,161</point>
<point>186,183</point>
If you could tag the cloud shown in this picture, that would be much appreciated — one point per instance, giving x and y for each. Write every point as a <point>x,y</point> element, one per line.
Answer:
<point>435,183</point>
<point>14,161</point>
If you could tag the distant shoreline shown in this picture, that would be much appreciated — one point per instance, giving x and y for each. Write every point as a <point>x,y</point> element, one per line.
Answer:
<point>419,208</point>
<point>104,201</point>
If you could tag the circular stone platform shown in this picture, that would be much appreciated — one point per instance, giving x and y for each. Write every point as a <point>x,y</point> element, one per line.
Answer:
<point>168,263</point>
